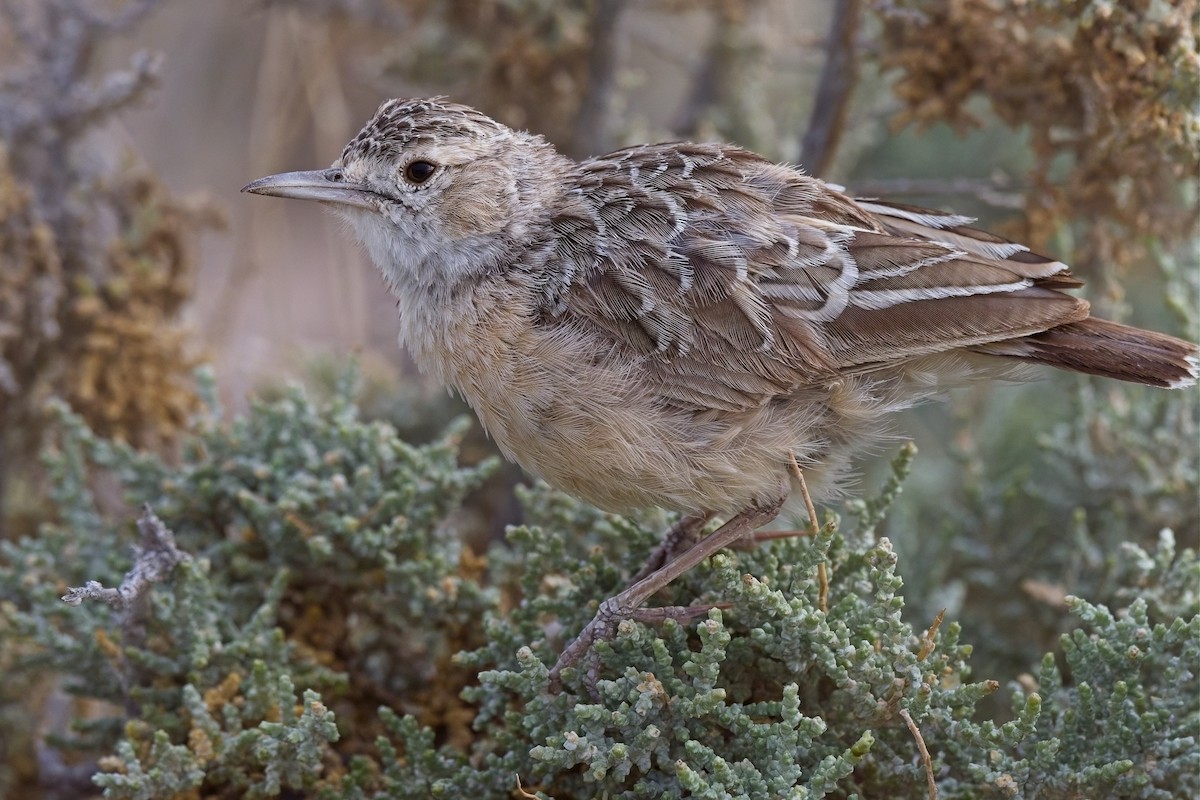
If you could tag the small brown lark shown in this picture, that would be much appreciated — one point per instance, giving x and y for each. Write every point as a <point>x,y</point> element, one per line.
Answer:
<point>690,326</point>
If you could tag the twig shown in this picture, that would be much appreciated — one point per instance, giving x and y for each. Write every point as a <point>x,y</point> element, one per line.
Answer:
<point>925,759</point>
<point>4,459</point>
<point>928,639</point>
<point>703,93</point>
<point>154,559</point>
<point>814,526</point>
<point>522,792</point>
<point>711,79</point>
<point>838,79</point>
<point>86,106</point>
<point>119,20</point>
<point>276,114</point>
<point>372,13</point>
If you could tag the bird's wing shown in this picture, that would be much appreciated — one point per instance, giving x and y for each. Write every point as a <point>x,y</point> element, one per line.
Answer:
<point>737,280</point>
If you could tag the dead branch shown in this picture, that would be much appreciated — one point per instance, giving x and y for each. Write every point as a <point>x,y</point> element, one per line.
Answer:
<point>925,759</point>
<point>154,559</point>
<point>838,79</point>
<point>591,126</point>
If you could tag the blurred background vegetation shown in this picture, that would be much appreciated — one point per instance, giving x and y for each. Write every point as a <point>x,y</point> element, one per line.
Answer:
<point>127,257</point>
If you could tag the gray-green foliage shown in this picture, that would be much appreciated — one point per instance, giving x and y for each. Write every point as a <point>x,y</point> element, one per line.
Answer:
<point>332,636</point>
<point>1126,724</point>
<point>1040,490</point>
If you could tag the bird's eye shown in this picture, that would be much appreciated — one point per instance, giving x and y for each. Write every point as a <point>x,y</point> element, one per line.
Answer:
<point>419,171</point>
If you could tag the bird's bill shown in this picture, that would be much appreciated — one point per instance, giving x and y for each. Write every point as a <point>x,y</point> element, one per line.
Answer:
<point>314,185</point>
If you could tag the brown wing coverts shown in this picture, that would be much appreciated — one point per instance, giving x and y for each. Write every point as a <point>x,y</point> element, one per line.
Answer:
<point>737,280</point>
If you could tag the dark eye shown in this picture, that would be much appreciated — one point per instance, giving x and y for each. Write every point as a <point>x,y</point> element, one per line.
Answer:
<point>419,171</point>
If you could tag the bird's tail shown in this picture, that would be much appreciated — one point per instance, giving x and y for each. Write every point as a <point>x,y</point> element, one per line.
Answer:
<point>1099,347</point>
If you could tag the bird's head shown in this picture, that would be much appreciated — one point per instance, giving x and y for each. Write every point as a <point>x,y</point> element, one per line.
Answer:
<point>436,191</point>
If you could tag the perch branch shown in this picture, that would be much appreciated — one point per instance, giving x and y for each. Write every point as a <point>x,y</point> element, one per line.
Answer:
<point>154,559</point>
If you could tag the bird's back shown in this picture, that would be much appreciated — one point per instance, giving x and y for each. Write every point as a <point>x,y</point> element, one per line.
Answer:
<point>736,280</point>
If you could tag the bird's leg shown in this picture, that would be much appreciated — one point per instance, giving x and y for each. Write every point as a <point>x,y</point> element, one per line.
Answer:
<point>813,528</point>
<point>627,604</point>
<point>679,538</point>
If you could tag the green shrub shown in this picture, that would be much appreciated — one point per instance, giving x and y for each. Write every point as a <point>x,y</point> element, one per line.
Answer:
<point>324,631</point>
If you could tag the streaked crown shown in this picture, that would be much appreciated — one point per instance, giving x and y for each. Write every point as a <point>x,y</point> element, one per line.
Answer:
<point>400,124</point>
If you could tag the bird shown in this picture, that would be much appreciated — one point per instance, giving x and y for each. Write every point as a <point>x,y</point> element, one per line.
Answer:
<point>690,326</point>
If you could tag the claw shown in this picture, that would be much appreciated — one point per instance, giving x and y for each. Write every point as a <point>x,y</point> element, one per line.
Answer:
<point>628,604</point>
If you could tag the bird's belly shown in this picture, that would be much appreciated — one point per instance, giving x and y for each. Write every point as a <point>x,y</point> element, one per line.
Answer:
<point>587,420</point>
<point>626,454</point>
<point>600,434</point>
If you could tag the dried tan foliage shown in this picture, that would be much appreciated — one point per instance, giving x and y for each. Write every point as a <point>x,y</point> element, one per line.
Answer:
<point>95,255</point>
<point>99,330</point>
<point>1109,86</point>
<point>525,62</point>
<point>132,366</point>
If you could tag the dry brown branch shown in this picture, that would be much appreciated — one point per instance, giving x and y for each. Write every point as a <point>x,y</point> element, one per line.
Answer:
<point>925,759</point>
<point>591,126</point>
<point>721,100</point>
<point>703,92</point>
<point>999,192</point>
<point>815,527</point>
<point>928,639</point>
<point>834,90</point>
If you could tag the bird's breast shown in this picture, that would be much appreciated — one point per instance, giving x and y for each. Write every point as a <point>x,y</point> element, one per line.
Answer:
<point>561,405</point>
<point>573,409</point>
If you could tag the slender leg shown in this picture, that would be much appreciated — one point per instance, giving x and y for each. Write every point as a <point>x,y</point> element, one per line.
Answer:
<point>679,537</point>
<point>627,604</point>
<point>813,526</point>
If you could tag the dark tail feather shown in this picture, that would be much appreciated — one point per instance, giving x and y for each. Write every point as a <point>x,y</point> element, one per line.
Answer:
<point>1098,347</point>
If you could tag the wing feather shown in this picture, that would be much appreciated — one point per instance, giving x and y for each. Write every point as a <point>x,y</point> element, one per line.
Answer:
<point>735,281</point>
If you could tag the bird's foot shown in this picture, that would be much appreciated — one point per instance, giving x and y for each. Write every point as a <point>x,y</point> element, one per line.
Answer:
<point>603,627</point>
<point>628,604</point>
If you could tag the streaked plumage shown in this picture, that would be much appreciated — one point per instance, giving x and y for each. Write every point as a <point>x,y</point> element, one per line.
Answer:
<point>668,324</point>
